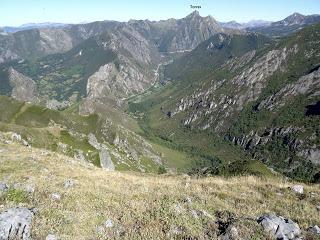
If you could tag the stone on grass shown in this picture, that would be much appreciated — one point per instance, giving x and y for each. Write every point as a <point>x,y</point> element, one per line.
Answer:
<point>108,223</point>
<point>231,233</point>
<point>315,230</point>
<point>68,183</point>
<point>15,223</point>
<point>51,237</point>
<point>279,227</point>
<point>55,197</point>
<point>297,189</point>
<point>3,187</point>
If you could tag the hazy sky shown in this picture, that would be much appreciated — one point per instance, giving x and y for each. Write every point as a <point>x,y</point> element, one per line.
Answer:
<point>17,12</point>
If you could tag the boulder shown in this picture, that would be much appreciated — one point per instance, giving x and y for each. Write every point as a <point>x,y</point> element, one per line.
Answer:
<point>297,188</point>
<point>15,223</point>
<point>279,227</point>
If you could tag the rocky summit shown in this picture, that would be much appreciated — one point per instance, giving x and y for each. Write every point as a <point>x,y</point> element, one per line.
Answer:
<point>184,128</point>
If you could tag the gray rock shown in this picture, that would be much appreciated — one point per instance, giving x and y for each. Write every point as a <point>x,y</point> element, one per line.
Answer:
<point>68,183</point>
<point>105,160</point>
<point>318,208</point>
<point>15,223</point>
<point>279,227</point>
<point>315,230</point>
<point>297,189</point>
<point>51,237</point>
<point>3,187</point>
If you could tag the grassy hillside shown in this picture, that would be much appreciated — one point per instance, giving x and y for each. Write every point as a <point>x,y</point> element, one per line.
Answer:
<point>68,133</point>
<point>143,206</point>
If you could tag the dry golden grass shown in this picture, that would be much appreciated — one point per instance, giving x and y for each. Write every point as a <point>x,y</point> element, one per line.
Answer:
<point>144,206</point>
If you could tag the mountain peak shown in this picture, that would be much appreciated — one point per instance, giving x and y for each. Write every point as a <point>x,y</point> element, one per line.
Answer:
<point>296,14</point>
<point>295,18</point>
<point>194,14</point>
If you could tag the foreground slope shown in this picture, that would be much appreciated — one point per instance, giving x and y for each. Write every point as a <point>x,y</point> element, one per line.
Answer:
<point>74,200</point>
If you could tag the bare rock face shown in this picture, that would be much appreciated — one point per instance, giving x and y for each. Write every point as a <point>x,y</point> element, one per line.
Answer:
<point>123,80</point>
<point>54,41</point>
<point>15,223</point>
<point>24,88</point>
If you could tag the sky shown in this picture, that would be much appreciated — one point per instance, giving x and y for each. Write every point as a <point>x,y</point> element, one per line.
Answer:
<point>17,12</point>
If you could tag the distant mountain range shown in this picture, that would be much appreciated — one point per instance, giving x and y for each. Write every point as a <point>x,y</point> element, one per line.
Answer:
<point>250,24</point>
<point>27,26</point>
<point>222,95</point>
<point>284,27</point>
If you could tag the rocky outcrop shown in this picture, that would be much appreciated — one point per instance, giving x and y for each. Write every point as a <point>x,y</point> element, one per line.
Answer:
<point>254,138</point>
<point>23,87</point>
<point>15,223</point>
<point>105,160</point>
<point>307,84</point>
<point>312,154</point>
